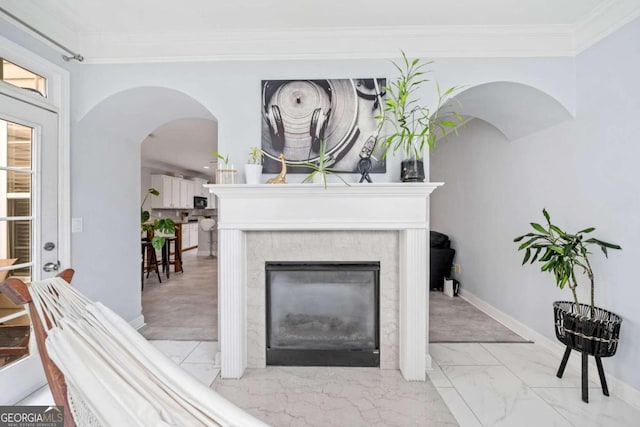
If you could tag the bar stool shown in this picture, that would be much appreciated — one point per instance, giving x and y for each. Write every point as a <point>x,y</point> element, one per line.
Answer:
<point>166,256</point>
<point>149,260</point>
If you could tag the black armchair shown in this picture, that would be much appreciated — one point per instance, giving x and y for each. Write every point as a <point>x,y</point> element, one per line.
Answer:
<point>440,258</point>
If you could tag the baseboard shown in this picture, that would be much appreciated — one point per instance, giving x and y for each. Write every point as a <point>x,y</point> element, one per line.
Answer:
<point>617,387</point>
<point>428,362</point>
<point>138,322</point>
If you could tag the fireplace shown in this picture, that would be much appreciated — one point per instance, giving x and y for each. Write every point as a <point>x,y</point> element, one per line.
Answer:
<point>388,222</point>
<point>323,313</point>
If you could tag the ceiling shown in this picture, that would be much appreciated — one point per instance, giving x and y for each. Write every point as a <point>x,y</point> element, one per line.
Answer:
<point>182,146</point>
<point>157,30</point>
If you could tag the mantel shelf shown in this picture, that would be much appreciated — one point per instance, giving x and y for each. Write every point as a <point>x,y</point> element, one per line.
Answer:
<point>384,206</point>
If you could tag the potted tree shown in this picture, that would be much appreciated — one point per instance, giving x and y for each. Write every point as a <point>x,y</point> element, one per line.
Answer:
<point>253,168</point>
<point>414,126</point>
<point>586,328</point>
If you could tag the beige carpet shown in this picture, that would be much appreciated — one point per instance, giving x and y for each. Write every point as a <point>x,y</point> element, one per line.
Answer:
<point>184,307</point>
<point>455,320</point>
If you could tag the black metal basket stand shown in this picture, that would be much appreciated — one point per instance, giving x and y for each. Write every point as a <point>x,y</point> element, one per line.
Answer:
<point>594,334</point>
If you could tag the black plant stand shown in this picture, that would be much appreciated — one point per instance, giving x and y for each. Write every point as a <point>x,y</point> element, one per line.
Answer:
<point>585,373</point>
<point>589,331</point>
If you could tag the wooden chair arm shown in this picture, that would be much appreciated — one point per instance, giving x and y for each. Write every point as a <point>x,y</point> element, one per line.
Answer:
<point>18,292</point>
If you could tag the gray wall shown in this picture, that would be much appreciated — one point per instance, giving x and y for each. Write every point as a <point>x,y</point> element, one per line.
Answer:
<point>584,171</point>
<point>112,114</point>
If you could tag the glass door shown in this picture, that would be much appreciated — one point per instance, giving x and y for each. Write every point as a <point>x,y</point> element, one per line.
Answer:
<point>28,232</point>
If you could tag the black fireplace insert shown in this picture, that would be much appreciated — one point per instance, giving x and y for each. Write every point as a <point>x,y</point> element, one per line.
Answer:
<point>323,313</point>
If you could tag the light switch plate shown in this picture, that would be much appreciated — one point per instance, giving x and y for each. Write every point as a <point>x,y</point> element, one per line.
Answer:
<point>76,225</point>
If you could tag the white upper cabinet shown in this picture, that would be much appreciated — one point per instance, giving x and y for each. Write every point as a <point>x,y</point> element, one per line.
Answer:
<point>164,184</point>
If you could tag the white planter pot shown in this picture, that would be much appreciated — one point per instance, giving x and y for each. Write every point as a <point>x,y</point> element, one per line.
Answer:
<point>252,173</point>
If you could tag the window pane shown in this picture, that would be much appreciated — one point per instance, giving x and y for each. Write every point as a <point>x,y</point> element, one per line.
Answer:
<point>15,145</point>
<point>17,245</point>
<point>21,77</point>
<point>20,183</point>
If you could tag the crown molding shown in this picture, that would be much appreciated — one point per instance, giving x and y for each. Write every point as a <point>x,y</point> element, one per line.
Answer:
<point>330,43</point>
<point>380,42</point>
<point>606,19</point>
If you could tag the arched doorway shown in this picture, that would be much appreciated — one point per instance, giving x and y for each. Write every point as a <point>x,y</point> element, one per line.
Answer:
<point>481,167</point>
<point>106,166</point>
<point>176,160</point>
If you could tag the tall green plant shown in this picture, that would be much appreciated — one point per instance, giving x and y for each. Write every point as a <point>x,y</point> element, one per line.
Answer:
<point>414,125</point>
<point>562,253</point>
<point>163,225</point>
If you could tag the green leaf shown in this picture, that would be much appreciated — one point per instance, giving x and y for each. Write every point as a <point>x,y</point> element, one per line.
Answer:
<point>605,244</point>
<point>153,191</point>
<point>144,216</point>
<point>548,265</point>
<point>526,256</point>
<point>586,230</point>
<point>546,215</point>
<point>535,256</point>
<point>539,228</point>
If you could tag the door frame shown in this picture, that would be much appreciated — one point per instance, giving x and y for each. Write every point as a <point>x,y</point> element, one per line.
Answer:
<point>58,101</point>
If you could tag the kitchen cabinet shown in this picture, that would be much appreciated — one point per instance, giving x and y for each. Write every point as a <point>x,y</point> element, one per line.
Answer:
<point>189,235</point>
<point>186,194</point>
<point>175,193</point>
<point>193,235</point>
<point>198,189</point>
<point>169,190</point>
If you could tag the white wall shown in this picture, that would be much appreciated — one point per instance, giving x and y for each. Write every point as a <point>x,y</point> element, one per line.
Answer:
<point>584,171</point>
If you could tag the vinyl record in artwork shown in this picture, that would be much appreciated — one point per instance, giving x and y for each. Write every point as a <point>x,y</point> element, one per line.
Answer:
<point>298,114</point>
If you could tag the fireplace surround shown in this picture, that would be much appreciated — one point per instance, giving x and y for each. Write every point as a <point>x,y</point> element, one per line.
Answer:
<point>245,211</point>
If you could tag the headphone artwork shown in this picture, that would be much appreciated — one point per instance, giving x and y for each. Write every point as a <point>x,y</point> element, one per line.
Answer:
<point>273,117</point>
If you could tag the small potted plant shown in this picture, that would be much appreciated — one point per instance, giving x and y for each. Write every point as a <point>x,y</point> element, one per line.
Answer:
<point>253,168</point>
<point>163,225</point>
<point>321,167</point>
<point>414,126</point>
<point>586,328</point>
<point>227,173</point>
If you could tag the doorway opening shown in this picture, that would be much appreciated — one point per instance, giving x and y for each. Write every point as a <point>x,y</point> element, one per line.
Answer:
<point>177,159</point>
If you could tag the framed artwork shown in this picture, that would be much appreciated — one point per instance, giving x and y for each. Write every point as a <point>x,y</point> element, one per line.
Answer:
<point>298,114</point>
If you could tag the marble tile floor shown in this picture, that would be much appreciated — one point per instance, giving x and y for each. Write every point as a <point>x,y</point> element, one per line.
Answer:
<point>481,385</point>
<point>515,385</point>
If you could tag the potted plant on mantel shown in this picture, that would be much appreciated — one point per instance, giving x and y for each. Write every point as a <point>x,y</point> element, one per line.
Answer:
<point>414,125</point>
<point>321,167</point>
<point>253,168</point>
<point>586,328</point>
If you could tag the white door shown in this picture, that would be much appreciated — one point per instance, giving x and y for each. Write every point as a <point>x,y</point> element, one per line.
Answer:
<point>28,222</point>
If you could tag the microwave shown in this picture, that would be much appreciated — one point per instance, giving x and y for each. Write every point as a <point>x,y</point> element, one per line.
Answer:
<point>199,202</point>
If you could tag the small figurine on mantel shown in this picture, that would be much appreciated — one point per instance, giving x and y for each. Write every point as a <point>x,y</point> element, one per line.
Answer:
<point>281,177</point>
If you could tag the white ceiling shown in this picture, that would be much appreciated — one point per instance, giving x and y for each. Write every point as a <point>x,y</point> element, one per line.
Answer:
<point>156,30</point>
<point>183,146</point>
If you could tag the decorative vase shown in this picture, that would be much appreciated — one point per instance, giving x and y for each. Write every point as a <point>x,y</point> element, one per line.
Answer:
<point>412,170</point>
<point>252,173</point>
<point>227,175</point>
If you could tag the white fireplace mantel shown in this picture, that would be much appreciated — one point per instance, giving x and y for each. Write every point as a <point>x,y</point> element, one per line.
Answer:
<point>384,206</point>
